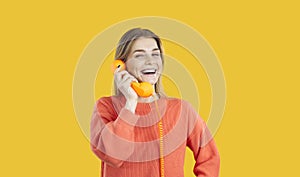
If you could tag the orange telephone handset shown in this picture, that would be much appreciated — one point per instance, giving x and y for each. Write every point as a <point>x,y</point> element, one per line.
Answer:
<point>143,89</point>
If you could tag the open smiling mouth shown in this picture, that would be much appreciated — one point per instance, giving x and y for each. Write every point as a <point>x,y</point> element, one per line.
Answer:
<point>148,71</point>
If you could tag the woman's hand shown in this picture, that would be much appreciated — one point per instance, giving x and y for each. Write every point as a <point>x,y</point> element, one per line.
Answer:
<point>123,82</point>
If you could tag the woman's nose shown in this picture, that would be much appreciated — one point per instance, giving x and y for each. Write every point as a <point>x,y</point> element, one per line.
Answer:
<point>149,59</point>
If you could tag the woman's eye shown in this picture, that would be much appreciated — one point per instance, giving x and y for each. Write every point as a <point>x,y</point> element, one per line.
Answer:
<point>139,56</point>
<point>156,54</point>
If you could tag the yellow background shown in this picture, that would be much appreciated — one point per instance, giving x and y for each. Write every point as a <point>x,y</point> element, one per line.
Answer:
<point>257,43</point>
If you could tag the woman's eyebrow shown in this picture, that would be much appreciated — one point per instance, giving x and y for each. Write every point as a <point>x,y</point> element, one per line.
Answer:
<point>138,50</point>
<point>142,50</point>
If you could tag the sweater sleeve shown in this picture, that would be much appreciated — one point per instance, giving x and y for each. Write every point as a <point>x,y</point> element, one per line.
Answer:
<point>203,147</point>
<point>111,134</point>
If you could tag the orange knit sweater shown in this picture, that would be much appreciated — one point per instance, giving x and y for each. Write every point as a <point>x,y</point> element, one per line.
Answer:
<point>128,144</point>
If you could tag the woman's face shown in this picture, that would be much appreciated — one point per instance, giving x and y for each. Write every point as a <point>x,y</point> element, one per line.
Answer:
<point>144,60</point>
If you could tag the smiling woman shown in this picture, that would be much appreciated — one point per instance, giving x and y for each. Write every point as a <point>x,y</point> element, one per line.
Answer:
<point>138,136</point>
<point>144,61</point>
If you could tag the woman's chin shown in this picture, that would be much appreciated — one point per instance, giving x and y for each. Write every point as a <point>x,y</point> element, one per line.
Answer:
<point>149,78</point>
<point>152,82</point>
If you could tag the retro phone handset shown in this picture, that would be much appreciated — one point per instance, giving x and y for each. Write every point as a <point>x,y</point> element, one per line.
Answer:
<point>143,89</point>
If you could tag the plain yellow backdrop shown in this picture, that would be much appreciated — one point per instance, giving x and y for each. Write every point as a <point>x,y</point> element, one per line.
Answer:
<point>257,43</point>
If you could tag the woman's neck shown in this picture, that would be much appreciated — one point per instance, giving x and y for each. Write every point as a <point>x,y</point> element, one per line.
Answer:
<point>148,99</point>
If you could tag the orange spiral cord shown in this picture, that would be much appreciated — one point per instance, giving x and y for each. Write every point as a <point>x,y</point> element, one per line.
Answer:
<point>161,147</point>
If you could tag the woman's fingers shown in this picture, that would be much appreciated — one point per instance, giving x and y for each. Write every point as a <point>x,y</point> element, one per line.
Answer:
<point>123,81</point>
<point>119,75</point>
<point>124,75</point>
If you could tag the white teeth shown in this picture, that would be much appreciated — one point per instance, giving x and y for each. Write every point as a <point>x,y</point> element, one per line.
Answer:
<point>148,71</point>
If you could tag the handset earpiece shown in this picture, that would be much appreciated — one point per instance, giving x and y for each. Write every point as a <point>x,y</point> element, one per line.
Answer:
<point>143,89</point>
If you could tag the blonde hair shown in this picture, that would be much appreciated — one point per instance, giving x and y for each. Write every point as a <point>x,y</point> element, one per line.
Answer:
<point>124,47</point>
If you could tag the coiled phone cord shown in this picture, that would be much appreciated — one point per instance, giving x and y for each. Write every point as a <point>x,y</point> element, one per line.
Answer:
<point>161,147</point>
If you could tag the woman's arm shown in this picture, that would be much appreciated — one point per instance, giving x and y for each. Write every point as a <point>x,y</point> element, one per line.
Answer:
<point>204,149</point>
<point>111,133</point>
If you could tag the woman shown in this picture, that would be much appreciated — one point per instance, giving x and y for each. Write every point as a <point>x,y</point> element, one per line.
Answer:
<point>146,137</point>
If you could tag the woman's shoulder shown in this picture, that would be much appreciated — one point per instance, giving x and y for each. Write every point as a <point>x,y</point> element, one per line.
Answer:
<point>178,101</point>
<point>104,99</point>
<point>110,100</point>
